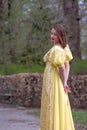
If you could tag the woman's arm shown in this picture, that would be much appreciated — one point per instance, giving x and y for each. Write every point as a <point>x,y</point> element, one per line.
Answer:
<point>64,72</point>
<point>67,69</point>
<point>62,75</point>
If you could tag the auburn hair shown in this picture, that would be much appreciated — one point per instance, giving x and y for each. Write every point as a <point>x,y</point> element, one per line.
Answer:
<point>61,34</point>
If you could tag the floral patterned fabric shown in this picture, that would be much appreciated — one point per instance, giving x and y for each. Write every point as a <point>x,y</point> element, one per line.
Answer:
<point>55,107</point>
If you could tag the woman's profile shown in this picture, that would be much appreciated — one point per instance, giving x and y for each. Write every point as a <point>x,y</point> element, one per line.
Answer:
<point>55,107</point>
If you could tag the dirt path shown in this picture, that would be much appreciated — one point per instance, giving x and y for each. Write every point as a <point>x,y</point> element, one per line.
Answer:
<point>18,118</point>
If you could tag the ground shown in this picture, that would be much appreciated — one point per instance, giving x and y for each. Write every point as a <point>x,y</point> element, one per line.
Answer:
<point>20,118</point>
<point>17,118</point>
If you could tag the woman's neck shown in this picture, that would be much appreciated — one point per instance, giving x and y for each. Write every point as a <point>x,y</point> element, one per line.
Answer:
<point>57,44</point>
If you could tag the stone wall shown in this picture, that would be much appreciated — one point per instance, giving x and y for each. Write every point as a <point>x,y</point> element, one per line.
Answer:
<point>25,89</point>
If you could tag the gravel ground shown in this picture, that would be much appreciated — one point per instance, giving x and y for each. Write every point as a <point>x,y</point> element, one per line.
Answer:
<point>18,118</point>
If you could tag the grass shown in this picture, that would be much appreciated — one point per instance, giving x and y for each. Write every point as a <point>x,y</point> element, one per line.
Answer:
<point>18,68</point>
<point>79,116</point>
<point>35,112</point>
<point>77,67</point>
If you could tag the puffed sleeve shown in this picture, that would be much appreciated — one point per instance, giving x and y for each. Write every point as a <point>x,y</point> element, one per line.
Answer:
<point>57,58</point>
<point>68,53</point>
<point>46,56</point>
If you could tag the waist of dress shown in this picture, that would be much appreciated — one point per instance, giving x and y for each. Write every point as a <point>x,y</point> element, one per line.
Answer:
<point>50,65</point>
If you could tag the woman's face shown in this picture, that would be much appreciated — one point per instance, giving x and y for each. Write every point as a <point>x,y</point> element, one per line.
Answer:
<point>54,36</point>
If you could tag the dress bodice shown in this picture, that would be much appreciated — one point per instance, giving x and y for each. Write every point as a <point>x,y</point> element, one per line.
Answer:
<point>58,56</point>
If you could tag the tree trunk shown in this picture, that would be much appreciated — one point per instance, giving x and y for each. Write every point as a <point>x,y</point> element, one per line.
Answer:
<point>2,31</point>
<point>71,16</point>
<point>11,30</point>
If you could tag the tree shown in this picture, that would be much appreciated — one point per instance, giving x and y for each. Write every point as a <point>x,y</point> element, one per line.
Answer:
<point>12,30</point>
<point>83,26</point>
<point>39,24</point>
<point>3,8</point>
<point>71,16</point>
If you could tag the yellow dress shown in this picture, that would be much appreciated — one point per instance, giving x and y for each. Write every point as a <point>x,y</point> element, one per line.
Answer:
<point>55,107</point>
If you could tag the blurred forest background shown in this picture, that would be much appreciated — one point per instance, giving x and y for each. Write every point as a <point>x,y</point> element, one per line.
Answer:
<point>25,29</point>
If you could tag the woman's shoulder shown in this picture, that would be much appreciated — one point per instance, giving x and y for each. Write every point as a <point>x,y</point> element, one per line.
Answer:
<point>57,48</point>
<point>68,53</point>
<point>67,48</point>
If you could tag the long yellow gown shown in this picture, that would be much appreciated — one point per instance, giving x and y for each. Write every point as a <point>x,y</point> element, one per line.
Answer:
<point>55,107</point>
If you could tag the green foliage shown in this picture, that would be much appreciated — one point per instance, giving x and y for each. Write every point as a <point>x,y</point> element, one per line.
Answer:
<point>26,33</point>
<point>31,56</point>
<point>38,36</point>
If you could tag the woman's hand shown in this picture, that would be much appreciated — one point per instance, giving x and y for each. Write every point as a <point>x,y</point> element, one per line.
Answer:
<point>67,89</point>
<point>63,78</point>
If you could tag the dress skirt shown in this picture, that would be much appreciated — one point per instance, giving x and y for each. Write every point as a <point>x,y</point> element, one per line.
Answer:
<point>55,106</point>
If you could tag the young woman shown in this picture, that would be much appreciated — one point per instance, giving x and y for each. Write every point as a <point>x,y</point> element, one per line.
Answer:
<point>55,107</point>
